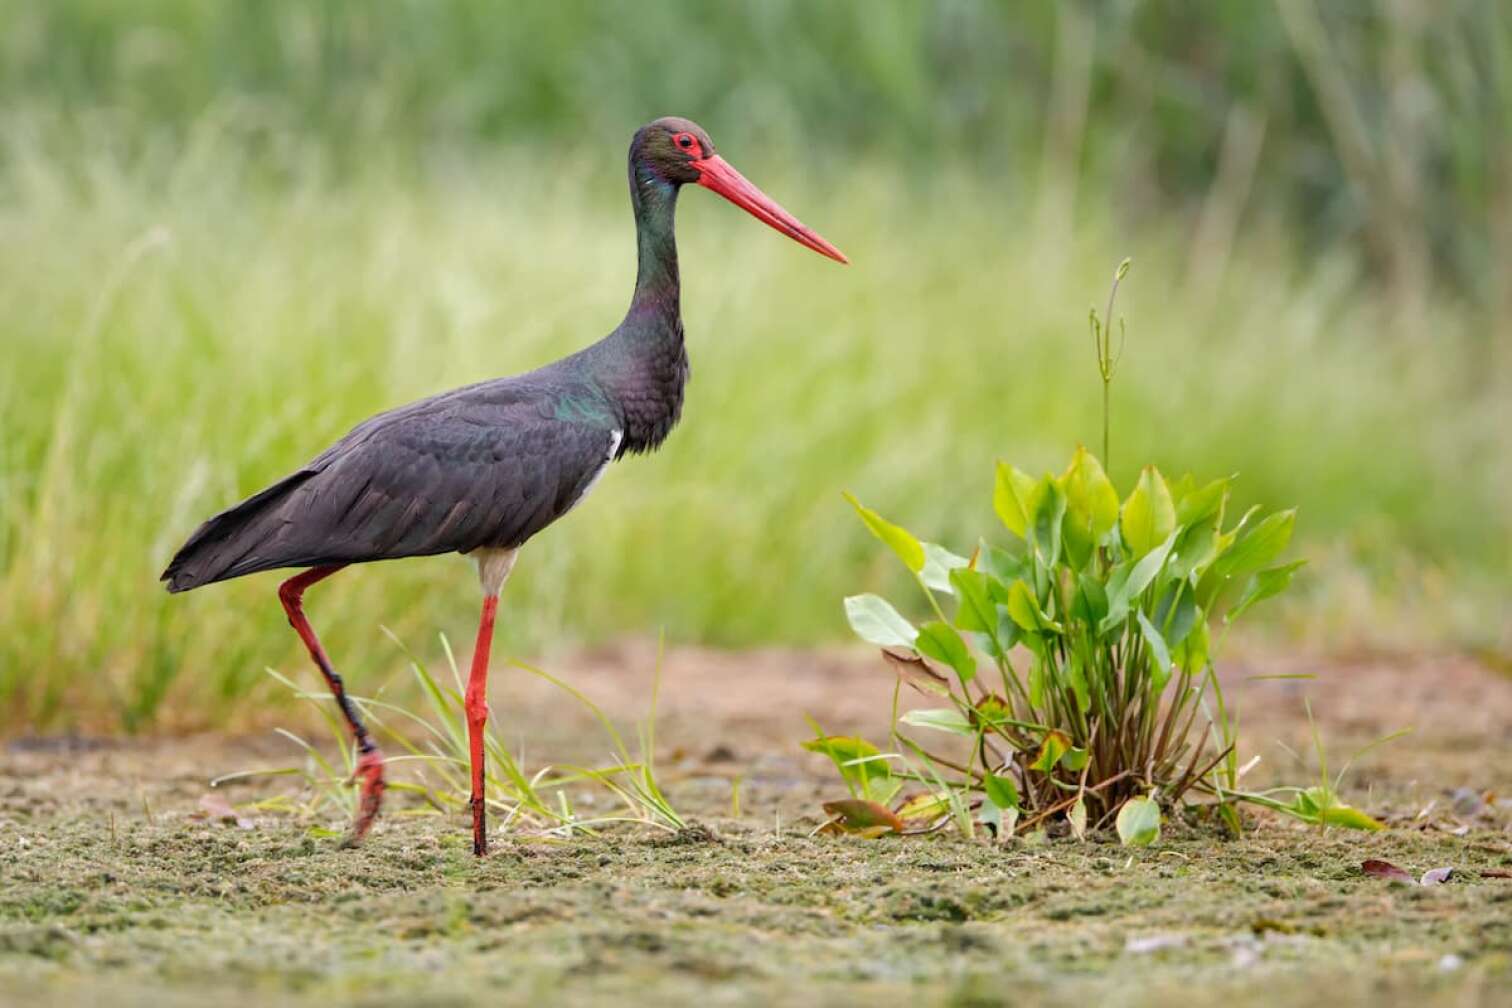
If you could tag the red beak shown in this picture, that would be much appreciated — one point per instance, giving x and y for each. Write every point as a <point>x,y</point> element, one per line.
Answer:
<point>717,174</point>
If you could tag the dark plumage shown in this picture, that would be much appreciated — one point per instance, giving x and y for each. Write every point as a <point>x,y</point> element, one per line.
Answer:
<point>483,468</point>
<point>487,465</point>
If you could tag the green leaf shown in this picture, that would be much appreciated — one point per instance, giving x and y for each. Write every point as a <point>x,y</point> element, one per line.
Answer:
<point>941,642</point>
<point>1090,603</point>
<point>1127,582</point>
<point>897,538</point>
<point>1160,655</point>
<point>1213,581</point>
<point>1148,567</point>
<point>1259,547</point>
<point>1001,791</point>
<point>1196,546</point>
<point>1055,745</point>
<point>1048,516</point>
<point>1091,505</point>
<point>1012,498</point>
<point>875,620</point>
<point>1348,817</point>
<point>1074,759</point>
<point>1025,610</point>
<point>1076,675</point>
<point>1036,671</point>
<point>1090,494</point>
<point>1148,516</point>
<point>1194,505</point>
<point>1175,626</point>
<point>938,563</point>
<point>1318,804</point>
<point>1192,653</point>
<point>1265,584</point>
<point>975,610</point>
<point>1077,548</point>
<point>945,719</point>
<point>1306,806</point>
<point>860,764</point>
<point>1001,564</point>
<point>1138,822</point>
<point>1022,607</point>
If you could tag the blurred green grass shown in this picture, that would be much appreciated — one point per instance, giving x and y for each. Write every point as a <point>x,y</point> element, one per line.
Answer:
<point>227,236</point>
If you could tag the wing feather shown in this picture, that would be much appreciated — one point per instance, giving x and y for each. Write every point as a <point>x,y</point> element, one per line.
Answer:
<point>480,467</point>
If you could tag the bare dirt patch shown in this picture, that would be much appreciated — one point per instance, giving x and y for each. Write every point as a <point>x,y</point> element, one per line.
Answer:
<point>110,890</point>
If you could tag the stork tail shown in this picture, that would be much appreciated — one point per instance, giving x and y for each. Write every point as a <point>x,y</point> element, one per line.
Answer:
<point>219,548</point>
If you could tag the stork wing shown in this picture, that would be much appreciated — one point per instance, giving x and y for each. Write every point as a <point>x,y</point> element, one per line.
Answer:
<point>478,467</point>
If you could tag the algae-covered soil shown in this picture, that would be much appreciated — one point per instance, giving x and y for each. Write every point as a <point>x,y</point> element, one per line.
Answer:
<point>112,891</point>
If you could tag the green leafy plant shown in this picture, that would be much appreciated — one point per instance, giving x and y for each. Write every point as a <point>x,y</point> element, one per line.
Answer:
<point>1075,662</point>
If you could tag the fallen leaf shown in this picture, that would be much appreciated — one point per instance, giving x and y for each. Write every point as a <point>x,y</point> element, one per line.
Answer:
<point>1495,873</point>
<point>923,809</point>
<point>1436,876</point>
<point>859,815</point>
<point>215,807</point>
<point>1386,870</point>
<point>918,673</point>
<point>1138,822</point>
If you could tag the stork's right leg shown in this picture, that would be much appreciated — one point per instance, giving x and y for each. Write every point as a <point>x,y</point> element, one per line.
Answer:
<point>477,720</point>
<point>369,760</point>
<point>494,566</point>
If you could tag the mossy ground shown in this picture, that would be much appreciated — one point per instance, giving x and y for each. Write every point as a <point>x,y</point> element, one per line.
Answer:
<point>110,891</point>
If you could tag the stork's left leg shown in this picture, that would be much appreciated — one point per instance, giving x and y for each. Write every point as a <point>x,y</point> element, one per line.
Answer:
<point>369,772</point>
<point>494,566</point>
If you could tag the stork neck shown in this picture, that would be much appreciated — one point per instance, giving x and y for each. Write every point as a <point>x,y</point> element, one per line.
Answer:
<point>656,280</point>
<point>643,364</point>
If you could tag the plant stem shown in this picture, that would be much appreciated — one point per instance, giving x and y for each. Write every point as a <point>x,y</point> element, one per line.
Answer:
<point>1107,457</point>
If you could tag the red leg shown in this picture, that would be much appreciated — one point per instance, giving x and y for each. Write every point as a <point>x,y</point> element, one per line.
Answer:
<point>477,717</point>
<point>369,760</point>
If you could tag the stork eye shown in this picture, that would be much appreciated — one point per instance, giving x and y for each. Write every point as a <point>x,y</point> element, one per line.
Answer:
<point>685,140</point>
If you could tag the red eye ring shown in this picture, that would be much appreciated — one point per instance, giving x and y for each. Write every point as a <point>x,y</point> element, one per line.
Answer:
<point>686,142</point>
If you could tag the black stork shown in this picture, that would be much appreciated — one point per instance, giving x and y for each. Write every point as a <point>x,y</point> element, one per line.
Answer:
<point>481,469</point>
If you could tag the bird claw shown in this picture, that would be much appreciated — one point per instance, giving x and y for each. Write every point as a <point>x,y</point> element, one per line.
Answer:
<point>369,773</point>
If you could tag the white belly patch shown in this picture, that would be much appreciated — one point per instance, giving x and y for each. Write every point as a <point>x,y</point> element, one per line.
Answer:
<point>615,437</point>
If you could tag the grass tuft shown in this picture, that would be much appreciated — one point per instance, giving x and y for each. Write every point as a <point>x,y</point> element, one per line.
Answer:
<point>428,747</point>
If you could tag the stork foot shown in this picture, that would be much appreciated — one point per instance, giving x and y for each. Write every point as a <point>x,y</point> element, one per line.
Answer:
<point>369,775</point>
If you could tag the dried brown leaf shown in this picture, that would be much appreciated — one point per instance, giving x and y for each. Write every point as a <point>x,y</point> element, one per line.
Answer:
<point>913,669</point>
<point>858,815</point>
<point>1386,870</point>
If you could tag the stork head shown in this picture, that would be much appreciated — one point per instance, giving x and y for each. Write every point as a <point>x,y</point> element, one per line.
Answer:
<point>678,152</point>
